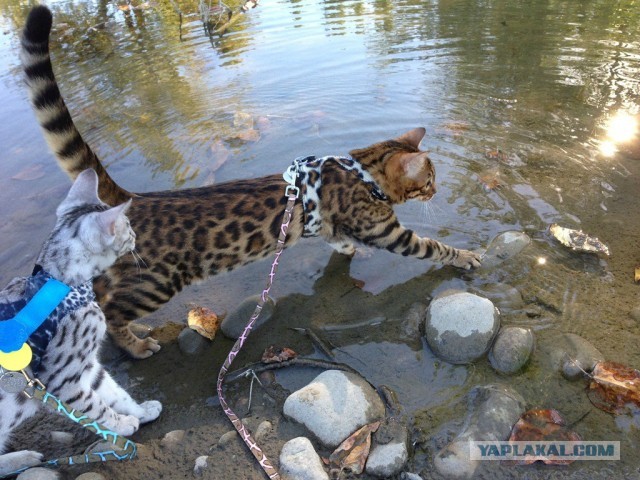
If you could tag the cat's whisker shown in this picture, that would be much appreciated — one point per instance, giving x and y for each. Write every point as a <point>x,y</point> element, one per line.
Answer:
<point>139,260</point>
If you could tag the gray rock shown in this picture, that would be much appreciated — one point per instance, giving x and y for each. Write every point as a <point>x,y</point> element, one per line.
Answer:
<point>492,411</point>
<point>387,460</point>
<point>460,326</point>
<point>413,319</point>
<point>503,247</point>
<point>234,323</point>
<point>299,461</point>
<point>512,349</point>
<point>635,313</point>
<point>39,473</point>
<point>191,342</point>
<point>505,297</point>
<point>334,405</point>
<point>410,476</point>
<point>200,465</point>
<point>576,356</point>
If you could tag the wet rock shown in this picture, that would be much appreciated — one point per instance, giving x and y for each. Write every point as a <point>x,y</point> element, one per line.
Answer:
<point>191,342</point>
<point>234,323</point>
<point>387,460</point>
<point>39,473</point>
<point>410,476</point>
<point>63,438</point>
<point>576,356</point>
<point>635,313</point>
<point>413,319</point>
<point>299,461</point>
<point>503,247</point>
<point>492,411</point>
<point>460,326</point>
<point>91,476</point>
<point>200,465</point>
<point>172,439</point>
<point>512,349</point>
<point>334,405</point>
<point>505,297</point>
<point>262,431</point>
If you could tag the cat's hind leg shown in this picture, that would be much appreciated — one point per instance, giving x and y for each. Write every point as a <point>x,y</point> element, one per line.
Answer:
<point>10,462</point>
<point>14,409</point>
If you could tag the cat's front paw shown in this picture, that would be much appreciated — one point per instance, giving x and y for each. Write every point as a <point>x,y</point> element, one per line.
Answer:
<point>144,348</point>
<point>126,425</point>
<point>10,462</point>
<point>466,259</point>
<point>152,409</point>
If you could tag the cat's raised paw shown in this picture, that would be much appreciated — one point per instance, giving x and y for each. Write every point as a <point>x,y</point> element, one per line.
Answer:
<point>466,259</point>
<point>10,462</point>
<point>126,425</point>
<point>152,409</point>
<point>144,348</point>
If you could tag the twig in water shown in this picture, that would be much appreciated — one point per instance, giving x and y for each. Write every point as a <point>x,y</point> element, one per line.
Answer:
<point>300,362</point>
<point>322,345</point>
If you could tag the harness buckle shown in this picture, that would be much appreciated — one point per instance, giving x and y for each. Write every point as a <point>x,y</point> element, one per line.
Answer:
<point>33,383</point>
<point>292,190</point>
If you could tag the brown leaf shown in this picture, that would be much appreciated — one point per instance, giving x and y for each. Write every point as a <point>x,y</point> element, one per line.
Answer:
<point>352,454</point>
<point>637,274</point>
<point>32,172</point>
<point>203,321</point>
<point>542,425</point>
<point>615,388</point>
<point>275,354</point>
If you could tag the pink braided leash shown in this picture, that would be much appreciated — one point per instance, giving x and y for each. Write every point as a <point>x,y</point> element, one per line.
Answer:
<point>244,432</point>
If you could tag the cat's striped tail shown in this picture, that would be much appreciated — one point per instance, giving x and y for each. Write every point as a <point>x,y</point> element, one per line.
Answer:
<point>73,154</point>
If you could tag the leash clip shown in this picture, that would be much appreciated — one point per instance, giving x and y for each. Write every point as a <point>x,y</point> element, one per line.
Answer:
<point>290,175</point>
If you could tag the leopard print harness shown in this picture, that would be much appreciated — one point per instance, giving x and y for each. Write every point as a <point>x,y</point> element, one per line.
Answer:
<point>309,170</point>
<point>79,296</point>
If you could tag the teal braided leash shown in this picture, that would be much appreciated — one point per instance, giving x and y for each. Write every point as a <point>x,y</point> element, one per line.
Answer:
<point>124,449</point>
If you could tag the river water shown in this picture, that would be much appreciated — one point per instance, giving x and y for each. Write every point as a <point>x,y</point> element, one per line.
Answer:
<point>530,110</point>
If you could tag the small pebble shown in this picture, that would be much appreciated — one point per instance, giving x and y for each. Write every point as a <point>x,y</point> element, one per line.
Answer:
<point>91,476</point>
<point>234,323</point>
<point>635,313</point>
<point>39,473</point>
<point>201,465</point>
<point>263,430</point>
<point>191,342</point>
<point>226,438</point>
<point>172,439</point>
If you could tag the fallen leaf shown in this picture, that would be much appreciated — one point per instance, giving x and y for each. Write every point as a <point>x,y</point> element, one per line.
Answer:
<point>352,454</point>
<point>539,425</point>
<point>358,283</point>
<point>203,321</point>
<point>490,180</point>
<point>274,354</point>
<point>30,173</point>
<point>615,388</point>
<point>578,240</point>
<point>637,277</point>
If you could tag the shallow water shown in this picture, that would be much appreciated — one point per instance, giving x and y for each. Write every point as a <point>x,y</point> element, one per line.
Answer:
<point>517,99</point>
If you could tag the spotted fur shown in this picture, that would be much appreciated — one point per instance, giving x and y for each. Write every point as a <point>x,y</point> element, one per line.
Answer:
<point>87,239</point>
<point>190,234</point>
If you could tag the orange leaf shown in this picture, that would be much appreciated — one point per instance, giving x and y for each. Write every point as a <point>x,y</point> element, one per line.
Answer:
<point>615,388</point>
<point>275,354</point>
<point>542,425</point>
<point>203,321</point>
<point>352,454</point>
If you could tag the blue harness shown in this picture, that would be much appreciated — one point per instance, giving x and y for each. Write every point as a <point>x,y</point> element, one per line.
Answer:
<point>35,317</point>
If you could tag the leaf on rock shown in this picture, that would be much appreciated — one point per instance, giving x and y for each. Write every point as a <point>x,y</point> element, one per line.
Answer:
<point>203,321</point>
<point>352,454</point>
<point>275,354</point>
<point>577,240</point>
<point>615,388</point>
<point>539,425</point>
<point>30,173</point>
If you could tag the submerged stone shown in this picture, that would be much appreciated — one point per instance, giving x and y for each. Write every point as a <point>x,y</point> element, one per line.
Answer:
<point>512,349</point>
<point>233,324</point>
<point>460,326</point>
<point>503,247</point>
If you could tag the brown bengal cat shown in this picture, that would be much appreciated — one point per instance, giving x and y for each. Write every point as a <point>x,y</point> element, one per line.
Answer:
<point>189,234</point>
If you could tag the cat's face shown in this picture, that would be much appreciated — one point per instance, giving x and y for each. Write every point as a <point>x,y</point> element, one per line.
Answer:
<point>89,236</point>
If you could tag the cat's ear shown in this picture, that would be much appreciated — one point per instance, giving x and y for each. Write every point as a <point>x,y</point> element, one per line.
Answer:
<point>83,191</point>
<point>107,220</point>
<point>414,165</point>
<point>412,137</point>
